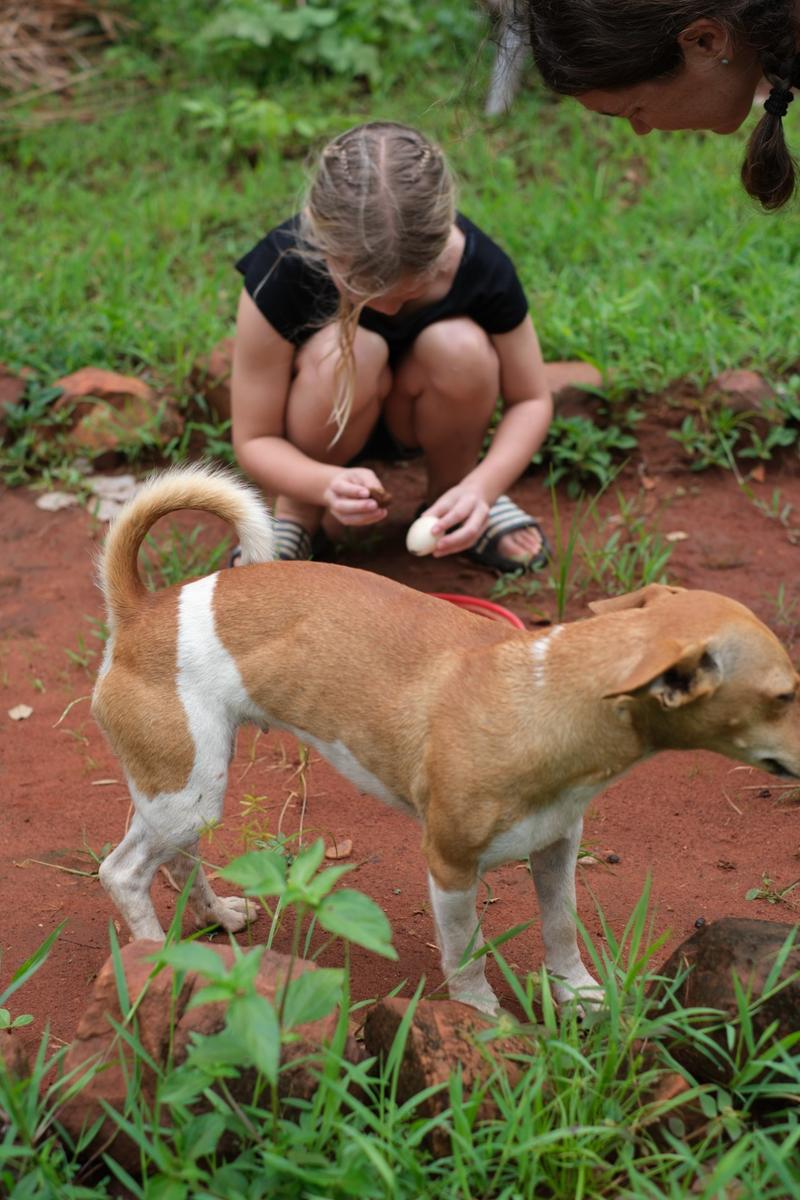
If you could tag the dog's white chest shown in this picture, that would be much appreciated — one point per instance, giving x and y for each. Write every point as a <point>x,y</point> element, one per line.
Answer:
<point>540,828</point>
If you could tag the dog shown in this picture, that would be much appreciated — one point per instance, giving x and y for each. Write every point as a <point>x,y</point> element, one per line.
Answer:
<point>496,739</point>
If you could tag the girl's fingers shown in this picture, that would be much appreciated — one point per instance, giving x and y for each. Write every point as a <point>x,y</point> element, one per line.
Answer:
<point>368,518</point>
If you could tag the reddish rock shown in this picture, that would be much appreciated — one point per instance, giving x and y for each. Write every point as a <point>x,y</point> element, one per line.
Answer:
<point>743,390</point>
<point>164,1021</point>
<point>210,376</point>
<point>574,386</point>
<point>670,1108</point>
<point>112,412</point>
<point>734,948</point>
<point>442,1037</point>
<point>99,384</point>
<point>13,1056</point>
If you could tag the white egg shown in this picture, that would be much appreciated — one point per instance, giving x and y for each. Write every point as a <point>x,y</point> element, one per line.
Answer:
<point>420,539</point>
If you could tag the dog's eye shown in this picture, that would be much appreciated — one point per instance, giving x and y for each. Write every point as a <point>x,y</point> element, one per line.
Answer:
<point>786,698</point>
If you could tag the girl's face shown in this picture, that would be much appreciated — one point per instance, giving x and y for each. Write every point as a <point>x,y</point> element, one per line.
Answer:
<point>708,92</point>
<point>389,302</point>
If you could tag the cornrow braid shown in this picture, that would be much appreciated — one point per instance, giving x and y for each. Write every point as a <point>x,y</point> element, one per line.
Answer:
<point>380,208</point>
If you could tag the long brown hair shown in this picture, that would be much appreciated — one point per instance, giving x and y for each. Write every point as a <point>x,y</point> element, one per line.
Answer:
<point>380,207</point>
<point>587,45</point>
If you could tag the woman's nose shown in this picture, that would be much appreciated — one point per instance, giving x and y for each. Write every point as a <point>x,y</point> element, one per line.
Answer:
<point>640,127</point>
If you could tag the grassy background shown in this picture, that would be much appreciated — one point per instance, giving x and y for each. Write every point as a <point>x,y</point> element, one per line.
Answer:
<point>644,256</point>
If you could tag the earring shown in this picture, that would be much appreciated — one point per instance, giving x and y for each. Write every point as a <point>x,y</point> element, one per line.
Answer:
<point>725,62</point>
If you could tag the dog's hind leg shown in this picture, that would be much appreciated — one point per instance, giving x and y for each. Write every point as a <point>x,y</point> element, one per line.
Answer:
<point>553,870</point>
<point>165,826</point>
<point>230,912</point>
<point>127,875</point>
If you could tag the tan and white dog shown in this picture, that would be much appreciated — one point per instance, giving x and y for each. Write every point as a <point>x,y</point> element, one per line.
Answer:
<point>496,739</point>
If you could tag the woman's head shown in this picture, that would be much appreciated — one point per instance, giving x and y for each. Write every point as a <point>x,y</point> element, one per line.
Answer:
<point>678,64</point>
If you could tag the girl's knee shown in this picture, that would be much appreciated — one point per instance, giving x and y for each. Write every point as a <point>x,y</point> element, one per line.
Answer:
<point>458,357</point>
<point>317,364</point>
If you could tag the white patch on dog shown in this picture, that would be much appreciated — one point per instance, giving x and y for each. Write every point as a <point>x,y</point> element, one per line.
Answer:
<point>539,651</point>
<point>342,760</point>
<point>540,828</point>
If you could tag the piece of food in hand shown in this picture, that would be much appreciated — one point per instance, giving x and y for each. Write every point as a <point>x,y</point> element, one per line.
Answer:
<point>383,497</point>
<point>420,539</point>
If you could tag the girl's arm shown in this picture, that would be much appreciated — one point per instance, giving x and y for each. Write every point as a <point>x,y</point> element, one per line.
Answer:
<point>262,378</point>
<point>260,383</point>
<point>527,413</point>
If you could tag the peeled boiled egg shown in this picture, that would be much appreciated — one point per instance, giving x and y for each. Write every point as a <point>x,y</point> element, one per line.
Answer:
<point>420,539</point>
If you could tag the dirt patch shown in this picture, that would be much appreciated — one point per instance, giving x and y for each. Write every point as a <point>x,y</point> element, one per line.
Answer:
<point>706,830</point>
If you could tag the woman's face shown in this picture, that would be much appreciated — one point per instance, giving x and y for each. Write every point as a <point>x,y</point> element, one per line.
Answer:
<point>707,93</point>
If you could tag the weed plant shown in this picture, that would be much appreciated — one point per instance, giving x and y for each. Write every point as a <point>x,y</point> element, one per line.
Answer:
<point>580,1120</point>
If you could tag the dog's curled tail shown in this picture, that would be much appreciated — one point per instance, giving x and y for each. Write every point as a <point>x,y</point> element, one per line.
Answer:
<point>210,489</point>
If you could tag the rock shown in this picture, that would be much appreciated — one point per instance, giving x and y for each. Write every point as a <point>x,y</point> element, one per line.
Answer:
<point>113,413</point>
<point>13,1056</point>
<point>743,390</point>
<point>99,384</point>
<point>574,386</point>
<point>210,376</point>
<point>718,952</point>
<point>670,1109</point>
<point>443,1035</point>
<point>164,1021</point>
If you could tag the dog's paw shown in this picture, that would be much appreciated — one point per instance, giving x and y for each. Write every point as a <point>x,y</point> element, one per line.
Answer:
<point>482,998</point>
<point>234,913</point>
<point>583,990</point>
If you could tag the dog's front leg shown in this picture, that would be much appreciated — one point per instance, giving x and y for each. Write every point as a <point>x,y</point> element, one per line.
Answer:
<point>458,932</point>
<point>553,872</point>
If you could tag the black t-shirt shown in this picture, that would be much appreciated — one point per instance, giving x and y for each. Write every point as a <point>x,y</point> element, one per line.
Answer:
<point>298,298</point>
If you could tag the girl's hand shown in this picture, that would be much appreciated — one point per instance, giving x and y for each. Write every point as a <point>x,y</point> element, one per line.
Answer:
<point>348,499</point>
<point>463,514</point>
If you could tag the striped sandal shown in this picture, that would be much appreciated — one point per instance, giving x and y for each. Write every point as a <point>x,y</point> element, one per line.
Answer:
<point>506,517</point>
<point>292,542</point>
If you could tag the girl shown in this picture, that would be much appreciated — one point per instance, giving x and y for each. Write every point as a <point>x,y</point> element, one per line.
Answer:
<point>679,64</point>
<point>380,309</point>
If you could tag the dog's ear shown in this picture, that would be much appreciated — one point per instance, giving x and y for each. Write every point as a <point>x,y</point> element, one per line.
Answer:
<point>674,674</point>
<point>652,594</point>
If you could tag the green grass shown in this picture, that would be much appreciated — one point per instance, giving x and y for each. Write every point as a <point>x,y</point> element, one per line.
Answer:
<point>578,1121</point>
<point>642,255</point>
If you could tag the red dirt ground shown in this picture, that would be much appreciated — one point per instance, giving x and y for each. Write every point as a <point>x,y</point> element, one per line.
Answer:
<point>706,830</point>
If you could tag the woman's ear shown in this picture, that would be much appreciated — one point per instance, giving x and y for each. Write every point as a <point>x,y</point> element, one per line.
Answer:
<point>705,41</point>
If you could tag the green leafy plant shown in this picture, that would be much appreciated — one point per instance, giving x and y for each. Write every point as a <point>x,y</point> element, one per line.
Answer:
<point>181,555</point>
<point>247,124</point>
<point>343,36</point>
<point>770,892</point>
<point>631,556</point>
<point>35,439</point>
<point>584,452</point>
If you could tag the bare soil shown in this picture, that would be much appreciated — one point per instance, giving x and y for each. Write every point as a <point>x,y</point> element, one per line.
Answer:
<point>705,829</point>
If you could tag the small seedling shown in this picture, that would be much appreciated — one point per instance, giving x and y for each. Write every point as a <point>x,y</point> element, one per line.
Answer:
<point>181,556</point>
<point>770,892</point>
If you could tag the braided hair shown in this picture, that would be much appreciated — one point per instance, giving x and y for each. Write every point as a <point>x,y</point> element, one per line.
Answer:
<point>588,45</point>
<point>380,206</point>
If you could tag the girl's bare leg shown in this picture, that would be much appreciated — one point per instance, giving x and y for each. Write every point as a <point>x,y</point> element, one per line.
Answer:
<point>442,399</point>
<point>310,404</point>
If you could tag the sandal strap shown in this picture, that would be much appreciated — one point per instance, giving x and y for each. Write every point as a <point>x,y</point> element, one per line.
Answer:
<point>292,541</point>
<point>504,517</point>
